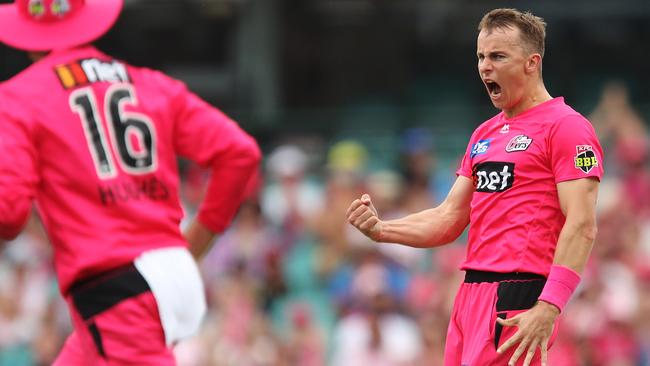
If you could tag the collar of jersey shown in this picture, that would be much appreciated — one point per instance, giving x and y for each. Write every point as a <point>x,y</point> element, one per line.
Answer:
<point>547,104</point>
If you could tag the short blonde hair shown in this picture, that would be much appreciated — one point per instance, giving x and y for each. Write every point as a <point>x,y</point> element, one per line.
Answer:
<point>532,28</point>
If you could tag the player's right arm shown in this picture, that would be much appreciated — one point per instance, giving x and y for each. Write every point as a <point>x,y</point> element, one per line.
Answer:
<point>429,228</point>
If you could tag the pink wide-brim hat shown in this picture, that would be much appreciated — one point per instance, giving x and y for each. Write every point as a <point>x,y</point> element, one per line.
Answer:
<point>44,25</point>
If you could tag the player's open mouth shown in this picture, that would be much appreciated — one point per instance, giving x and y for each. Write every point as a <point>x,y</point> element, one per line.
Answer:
<point>493,88</point>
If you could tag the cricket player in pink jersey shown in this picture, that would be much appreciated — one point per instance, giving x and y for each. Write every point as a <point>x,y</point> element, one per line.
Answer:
<point>527,187</point>
<point>94,143</point>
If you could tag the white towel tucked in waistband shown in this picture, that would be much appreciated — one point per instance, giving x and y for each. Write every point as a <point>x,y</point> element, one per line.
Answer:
<point>174,279</point>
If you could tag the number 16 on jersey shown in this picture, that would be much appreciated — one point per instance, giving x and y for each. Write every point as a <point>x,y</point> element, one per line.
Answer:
<point>124,128</point>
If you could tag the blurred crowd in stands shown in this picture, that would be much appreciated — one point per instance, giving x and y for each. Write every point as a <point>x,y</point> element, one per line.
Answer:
<point>291,283</point>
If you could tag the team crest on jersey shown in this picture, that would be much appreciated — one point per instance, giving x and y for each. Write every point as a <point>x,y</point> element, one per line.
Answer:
<point>519,143</point>
<point>91,70</point>
<point>585,159</point>
<point>481,147</point>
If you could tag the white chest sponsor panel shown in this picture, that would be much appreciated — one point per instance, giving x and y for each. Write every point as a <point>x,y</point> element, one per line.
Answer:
<point>493,176</point>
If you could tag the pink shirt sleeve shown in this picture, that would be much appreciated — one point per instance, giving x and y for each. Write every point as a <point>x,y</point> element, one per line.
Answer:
<point>575,150</point>
<point>205,135</point>
<point>18,174</point>
<point>465,168</point>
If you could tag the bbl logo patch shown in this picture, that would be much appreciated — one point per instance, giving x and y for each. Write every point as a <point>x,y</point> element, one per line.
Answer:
<point>519,143</point>
<point>481,147</point>
<point>585,159</point>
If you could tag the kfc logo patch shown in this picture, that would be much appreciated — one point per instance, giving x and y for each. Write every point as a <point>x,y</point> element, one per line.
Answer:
<point>585,159</point>
<point>519,143</point>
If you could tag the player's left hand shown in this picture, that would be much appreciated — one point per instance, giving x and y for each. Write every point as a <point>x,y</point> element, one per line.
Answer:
<point>535,328</point>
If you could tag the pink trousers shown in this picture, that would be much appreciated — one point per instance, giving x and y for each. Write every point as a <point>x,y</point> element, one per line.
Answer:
<point>474,335</point>
<point>116,322</point>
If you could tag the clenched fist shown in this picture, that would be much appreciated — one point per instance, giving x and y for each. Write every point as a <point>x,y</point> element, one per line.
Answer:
<point>363,215</point>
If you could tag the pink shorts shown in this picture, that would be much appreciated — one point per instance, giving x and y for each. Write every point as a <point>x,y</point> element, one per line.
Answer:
<point>116,322</point>
<point>474,335</point>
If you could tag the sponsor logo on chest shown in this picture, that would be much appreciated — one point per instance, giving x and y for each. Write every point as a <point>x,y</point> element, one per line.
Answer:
<point>481,147</point>
<point>493,176</point>
<point>91,70</point>
<point>519,143</point>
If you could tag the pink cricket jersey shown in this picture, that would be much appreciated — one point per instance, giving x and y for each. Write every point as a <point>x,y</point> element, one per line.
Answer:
<point>94,142</point>
<point>515,165</point>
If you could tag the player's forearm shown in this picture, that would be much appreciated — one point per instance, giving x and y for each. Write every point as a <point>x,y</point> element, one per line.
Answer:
<point>199,239</point>
<point>575,242</point>
<point>227,186</point>
<point>429,228</point>
<point>571,254</point>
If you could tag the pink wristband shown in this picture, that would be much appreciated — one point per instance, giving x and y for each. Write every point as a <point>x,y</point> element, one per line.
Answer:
<point>560,284</point>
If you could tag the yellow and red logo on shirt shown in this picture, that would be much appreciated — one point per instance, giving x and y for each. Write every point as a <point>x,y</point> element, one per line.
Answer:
<point>91,70</point>
<point>585,159</point>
